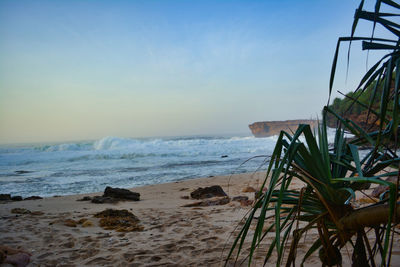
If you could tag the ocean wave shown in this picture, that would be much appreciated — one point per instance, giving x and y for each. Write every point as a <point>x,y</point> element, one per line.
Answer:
<point>62,147</point>
<point>114,143</point>
<point>88,166</point>
<point>111,142</point>
<point>237,138</point>
<point>151,146</point>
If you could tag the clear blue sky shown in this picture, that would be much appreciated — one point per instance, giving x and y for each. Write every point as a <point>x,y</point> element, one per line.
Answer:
<point>73,70</point>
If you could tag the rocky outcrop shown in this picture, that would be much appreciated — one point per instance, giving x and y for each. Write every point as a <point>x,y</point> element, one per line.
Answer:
<point>102,200</point>
<point>20,211</point>
<point>33,198</point>
<point>120,193</point>
<point>240,198</point>
<point>8,197</point>
<point>119,220</point>
<point>269,128</point>
<point>209,202</point>
<point>5,197</point>
<point>383,188</point>
<point>368,122</point>
<point>85,198</point>
<point>208,192</point>
<point>113,195</point>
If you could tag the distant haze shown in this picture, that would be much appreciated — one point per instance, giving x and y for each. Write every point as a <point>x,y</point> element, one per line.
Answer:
<point>73,70</point>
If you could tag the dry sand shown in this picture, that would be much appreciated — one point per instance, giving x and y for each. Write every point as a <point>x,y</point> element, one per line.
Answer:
<point>173,235</point>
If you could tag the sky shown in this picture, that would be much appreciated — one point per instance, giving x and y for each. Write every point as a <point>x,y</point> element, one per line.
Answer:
<point>83,70</point>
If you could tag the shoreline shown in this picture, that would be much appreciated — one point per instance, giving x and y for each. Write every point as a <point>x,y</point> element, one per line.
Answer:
<point>172,235</point>
<point>218,177</point>
<point>67,169</point>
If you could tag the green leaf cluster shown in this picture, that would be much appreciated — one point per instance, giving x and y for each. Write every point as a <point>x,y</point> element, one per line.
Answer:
<point>333,173</point>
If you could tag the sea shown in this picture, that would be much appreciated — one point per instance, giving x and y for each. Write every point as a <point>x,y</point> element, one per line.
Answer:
<point>89,166</point>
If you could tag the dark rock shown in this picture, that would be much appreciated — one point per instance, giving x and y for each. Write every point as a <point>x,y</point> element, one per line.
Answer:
<point>5,197</point>
<point>37,213</point>
<point>113,195</point>
<point>208,192</point>
<point>33,198</point>
<point>70,223</point>
<point>184,197</point>
<point>16,198</point>
<point>101,200</point>
<point>121,193</point>
<point>119,220</point>
<point>249,189</point>
<point>20,211</point>
<point>85,198</point>
<point>383,188</point>
<point>22,172</point>
<point>246,202</point>
<point>243,200</point>
<point>209,202</point>
<point>115,213</point>
<point>240,198</point>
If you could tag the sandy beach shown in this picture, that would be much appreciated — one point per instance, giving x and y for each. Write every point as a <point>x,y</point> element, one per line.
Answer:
<point>172,235</point>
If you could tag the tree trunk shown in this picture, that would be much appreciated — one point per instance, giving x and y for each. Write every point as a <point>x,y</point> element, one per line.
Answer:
<point>368,217</point>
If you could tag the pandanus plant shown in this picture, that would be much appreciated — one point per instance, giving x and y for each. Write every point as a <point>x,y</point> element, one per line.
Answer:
<point>333,173</point>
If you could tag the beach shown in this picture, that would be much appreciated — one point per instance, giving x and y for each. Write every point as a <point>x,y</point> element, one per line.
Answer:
<point>171,234</point>
<point>175,133</point>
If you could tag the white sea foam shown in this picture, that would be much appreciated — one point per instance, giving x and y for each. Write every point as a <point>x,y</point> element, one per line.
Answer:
<point>64,147</point>
<point>81,167</point>
<point>111,142</point>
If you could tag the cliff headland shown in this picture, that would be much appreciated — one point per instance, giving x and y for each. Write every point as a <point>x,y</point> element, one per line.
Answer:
<point>269,128</point>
